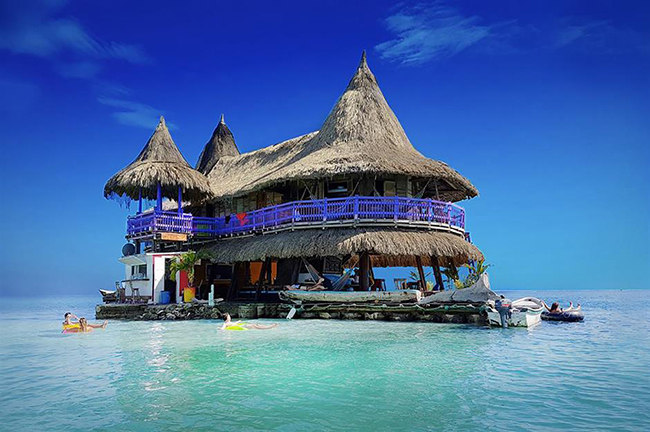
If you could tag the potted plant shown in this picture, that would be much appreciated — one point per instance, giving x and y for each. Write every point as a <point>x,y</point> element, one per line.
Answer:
<point>185,263</point>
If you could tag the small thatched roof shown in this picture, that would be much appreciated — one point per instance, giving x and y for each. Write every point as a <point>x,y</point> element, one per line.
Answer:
<point>222,143</point>
<point>361,135</point>
<point>388,246</point>
<point>160,161</point>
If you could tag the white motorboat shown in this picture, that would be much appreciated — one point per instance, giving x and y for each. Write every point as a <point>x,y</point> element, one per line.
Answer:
<point>524,312</point>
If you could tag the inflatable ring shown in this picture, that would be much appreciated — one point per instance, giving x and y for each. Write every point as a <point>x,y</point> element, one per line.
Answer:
<point>569,316</point>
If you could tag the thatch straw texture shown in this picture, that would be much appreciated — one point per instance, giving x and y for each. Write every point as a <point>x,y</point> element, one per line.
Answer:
<point>222,143</point>
<point>389,247</point>
<point>361,135</point>
<point>160,161</point>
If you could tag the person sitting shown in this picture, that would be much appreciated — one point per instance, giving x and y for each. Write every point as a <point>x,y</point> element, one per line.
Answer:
<point>85,327</point>
<point>555,307</point>
<point>238,325</point>
<point>67,319</point>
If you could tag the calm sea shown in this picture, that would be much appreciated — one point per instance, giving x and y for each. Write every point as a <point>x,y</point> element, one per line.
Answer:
<point>327,375</point>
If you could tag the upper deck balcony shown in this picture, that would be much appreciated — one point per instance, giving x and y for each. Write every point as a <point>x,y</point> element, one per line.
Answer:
<point>324,213</point>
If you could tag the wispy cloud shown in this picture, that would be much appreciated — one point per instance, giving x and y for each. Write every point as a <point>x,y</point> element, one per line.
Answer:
<point>37,28</point>
<point>133,113</point>
<point>437,31</point>
<point>600,36</point>
<point>33,27</point>
<point>430,32</point>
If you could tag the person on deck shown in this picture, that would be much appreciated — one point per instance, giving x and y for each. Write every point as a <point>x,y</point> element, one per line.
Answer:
<point>227,322</point>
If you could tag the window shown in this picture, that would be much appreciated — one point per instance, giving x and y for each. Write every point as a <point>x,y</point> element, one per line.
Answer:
<point>389,188</point>
<point>139,271</point>
<point>337,189</point>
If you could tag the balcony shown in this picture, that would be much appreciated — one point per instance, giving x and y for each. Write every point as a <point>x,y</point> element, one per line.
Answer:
<point>323,213</point>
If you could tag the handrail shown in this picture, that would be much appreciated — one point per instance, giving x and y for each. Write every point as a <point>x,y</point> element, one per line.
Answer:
<point>305,212</point>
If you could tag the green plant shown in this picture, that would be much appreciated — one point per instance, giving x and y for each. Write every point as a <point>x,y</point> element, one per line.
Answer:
<point>476,269</point>
<point>186,262</point>
<point>415,276</point>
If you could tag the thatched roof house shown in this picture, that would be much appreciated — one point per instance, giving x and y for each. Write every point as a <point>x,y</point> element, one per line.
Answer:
<point>222,143</point>
<point>360,136</point>
<point>159,162</point>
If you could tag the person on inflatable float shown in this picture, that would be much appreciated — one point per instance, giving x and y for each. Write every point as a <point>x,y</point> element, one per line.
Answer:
<point>82,326</point>
<point>228,324</point>
<point>555,307</point>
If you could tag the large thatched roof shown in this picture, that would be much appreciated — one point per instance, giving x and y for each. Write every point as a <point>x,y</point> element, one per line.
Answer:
<point>361,135</point>
<point>222,143</point>
<point>388,246</point>
<point>160,161</point>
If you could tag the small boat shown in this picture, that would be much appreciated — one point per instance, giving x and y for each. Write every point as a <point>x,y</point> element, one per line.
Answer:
<point>399,296</point>
<point>524,312</point>
<point>108,296</point>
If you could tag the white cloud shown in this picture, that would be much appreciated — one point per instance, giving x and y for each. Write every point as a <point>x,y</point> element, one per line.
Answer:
<point>431,32</point>
<point>134,114</point>
<point>30,27</point>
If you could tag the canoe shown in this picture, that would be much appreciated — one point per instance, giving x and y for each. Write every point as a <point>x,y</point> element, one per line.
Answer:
<point>399,296</point>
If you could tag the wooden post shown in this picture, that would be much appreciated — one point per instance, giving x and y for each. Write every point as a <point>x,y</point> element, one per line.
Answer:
<point>140,201</point>
<point>435,265</point>
<point>364,266</point>
<point>423,281</point>
<point>233,281</point>
<point>269,272</point>
<point>260,281</point>
<point>180,200</point>
<point>159,197</point>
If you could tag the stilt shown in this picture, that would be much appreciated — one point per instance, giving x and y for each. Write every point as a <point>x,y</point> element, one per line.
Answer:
<point>260,281</point>
<point>423,279</point>
<point>180,200</point>
<point>364,267</point>
<point>435,265</point>
<point>159,197</point>
<point>233,281</point>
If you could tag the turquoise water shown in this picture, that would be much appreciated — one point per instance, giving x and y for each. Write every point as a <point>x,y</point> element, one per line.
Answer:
<point>327,375</point>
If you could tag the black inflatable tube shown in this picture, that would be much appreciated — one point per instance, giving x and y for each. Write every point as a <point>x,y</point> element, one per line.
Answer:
<point>571,316</point>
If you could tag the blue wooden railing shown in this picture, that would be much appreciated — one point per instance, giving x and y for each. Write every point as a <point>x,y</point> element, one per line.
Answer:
<point>304,213</point>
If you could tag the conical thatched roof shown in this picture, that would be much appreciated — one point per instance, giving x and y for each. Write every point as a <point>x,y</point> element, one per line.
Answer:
<point>160,161</point>
<point>361,135</point>
<point>388,246</point>
<point>222,143</point>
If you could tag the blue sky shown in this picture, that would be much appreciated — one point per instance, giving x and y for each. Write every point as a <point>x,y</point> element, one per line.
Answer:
<point>544,106</point>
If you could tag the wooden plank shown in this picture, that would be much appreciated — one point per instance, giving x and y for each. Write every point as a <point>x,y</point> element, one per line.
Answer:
<point>173,237</point>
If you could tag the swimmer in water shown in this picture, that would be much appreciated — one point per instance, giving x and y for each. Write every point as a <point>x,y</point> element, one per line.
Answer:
<point>227,322</point>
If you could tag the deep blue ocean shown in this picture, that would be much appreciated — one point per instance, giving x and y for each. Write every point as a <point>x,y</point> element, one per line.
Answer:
<point>327,375</point>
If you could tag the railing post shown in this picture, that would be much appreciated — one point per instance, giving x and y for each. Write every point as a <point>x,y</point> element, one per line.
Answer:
<point>430,211</point>
<point>396,209</point>
<point>449,214</point>
<point>355,208</point>
<point>324,209</point>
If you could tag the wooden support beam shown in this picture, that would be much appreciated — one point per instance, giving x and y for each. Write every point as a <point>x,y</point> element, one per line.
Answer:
<point>435,265</point>
<point>423,279</point>
<point>364,267</point>
<point>260,281</point>
<point>233,281</point>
